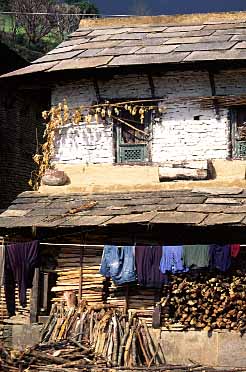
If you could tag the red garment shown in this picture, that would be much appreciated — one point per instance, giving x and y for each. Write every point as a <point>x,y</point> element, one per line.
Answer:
<point>235,249</point>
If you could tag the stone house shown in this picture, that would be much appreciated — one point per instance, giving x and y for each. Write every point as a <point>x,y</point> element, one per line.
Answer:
<point>193,65</point>
<point>193,68</point>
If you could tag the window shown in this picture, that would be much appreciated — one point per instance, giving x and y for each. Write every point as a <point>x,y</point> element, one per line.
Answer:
<point>132,137</point>
<point>239,132</point>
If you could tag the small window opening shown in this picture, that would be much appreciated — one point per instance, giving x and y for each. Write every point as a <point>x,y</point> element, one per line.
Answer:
<point>239,132</point>
<point>197,117</point>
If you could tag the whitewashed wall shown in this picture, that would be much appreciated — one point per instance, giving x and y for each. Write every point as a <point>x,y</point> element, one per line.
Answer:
<point>84,144</point>
<point>177,136</point>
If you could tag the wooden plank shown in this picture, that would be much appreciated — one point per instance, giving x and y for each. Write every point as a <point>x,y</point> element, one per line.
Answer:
<point>45,291</point>
<point>34,305</point>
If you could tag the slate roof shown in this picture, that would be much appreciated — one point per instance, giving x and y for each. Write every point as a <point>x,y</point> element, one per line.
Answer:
<point>104,44</point>
<point>199,207</point>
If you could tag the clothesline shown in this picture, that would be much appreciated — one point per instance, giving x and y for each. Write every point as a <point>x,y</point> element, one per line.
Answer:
<point>72,245</point>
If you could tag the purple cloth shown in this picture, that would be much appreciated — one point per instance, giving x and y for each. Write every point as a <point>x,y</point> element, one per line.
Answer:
<point>220,257</point>
<point>148,266</point>
<point>21,259</point>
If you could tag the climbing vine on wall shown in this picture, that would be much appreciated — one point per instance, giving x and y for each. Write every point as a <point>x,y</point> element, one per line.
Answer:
<point>61,115</point>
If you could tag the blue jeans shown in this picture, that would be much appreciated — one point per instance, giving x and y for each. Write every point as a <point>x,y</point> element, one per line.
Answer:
<point>118,263</point>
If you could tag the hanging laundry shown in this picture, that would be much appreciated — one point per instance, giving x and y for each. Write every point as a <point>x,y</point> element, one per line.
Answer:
<point>148,266</point>
<point>220,257</point>
<point>235,249</point>
<point>2,262</point>
<point>119,263</point>
<point>172,259</point>
<point>21,259</point>
<point>196,256</point>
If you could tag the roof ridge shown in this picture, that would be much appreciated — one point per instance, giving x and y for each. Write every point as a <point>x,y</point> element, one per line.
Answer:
<point>165,19</point>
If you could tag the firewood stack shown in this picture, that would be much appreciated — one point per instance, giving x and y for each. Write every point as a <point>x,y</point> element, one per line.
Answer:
<point>208,301</point>
<point>107,333</point>
<point>69,273</point>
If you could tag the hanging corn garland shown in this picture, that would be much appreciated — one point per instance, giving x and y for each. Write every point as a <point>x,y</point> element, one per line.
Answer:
<point>61,115</point>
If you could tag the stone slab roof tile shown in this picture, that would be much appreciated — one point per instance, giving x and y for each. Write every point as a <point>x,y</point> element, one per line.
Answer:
<point>145,59</point>
<point>87,62</point>
<point>223,219</point>
<point>185,207</point>
<point>119,51</point>
<point>162,49</point>
<point>205,46</point>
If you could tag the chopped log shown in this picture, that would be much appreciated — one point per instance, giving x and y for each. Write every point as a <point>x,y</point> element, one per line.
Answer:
<point>170,174</point>
<point>46,357</point>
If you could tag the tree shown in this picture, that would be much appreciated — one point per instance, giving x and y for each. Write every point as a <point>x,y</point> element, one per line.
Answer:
<point>66,23</point>
<point>4,5</point>
<point>86,7</point>
<point>36,26</point>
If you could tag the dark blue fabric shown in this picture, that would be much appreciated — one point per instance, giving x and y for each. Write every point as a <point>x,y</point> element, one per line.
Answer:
<point>118,263</point>
<point>21,259</point>
<point>220,257</point>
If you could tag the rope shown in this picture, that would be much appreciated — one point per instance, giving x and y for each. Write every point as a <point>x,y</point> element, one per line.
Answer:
<point>68,14</point>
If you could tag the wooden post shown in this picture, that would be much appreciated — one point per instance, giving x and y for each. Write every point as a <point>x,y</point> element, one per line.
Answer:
<point>34,297</point>
<point>45,291</point>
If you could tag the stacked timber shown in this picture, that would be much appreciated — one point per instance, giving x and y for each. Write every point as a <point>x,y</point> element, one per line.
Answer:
<point>78,267</point>
<point>134,298</point>
<point>208,301</point>
<point>20,311</point>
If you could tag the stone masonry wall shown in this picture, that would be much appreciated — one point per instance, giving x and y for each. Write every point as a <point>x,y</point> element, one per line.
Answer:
<point>184,132</point>
<point>20,124</point>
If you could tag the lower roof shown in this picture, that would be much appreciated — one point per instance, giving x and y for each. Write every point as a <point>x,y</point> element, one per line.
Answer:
<point>198,207</point>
